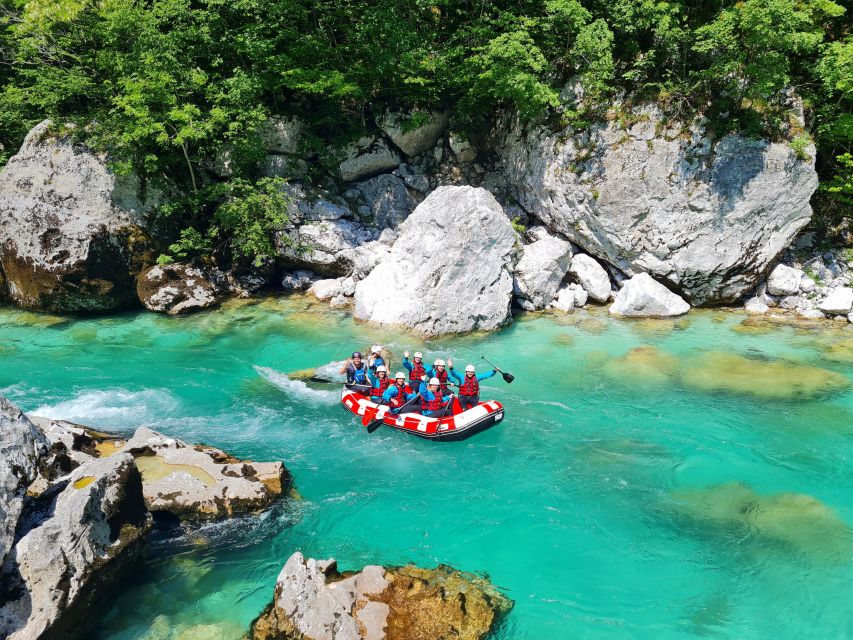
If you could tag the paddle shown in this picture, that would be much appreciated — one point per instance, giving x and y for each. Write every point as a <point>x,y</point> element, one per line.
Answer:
<point>373,426</point>
<point>508,377</point>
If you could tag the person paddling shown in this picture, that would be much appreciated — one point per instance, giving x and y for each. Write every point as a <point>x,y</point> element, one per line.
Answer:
<point>469,390</point>
<point>442,373</point>
<point>432,398</point>
<point>416,369</point>
<point>356,370</point>
<point>379,383</point>
<point>399,393</point>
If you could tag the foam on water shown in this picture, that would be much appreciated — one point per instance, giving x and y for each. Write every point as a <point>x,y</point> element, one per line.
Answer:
<point>297,388</point>
<point>113,407</point>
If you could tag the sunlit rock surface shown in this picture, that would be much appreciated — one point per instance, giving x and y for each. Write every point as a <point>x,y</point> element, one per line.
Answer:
<point>313,601</point>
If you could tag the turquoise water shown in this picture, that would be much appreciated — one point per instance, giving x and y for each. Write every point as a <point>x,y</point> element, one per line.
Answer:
<point>574,506</point>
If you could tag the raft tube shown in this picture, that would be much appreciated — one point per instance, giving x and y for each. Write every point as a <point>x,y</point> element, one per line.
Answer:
<point>458,426</point>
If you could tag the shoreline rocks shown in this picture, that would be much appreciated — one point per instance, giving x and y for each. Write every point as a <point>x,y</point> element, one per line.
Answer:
<point>643,297</point>
<point>313,601</point>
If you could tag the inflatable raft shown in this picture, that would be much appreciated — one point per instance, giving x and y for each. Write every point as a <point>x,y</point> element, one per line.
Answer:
<point>456,425</point>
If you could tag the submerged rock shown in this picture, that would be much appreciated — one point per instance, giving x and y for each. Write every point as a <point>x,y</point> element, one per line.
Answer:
<point>543,265</point>
<point>796,522</point>
<point>202,483</point>
<point>66,540</point>
<point>707,215</point>
<point>450,269</point>
<point>644,365</point>
<point>312,601</point>
<point>176,288</point>
<point>72,232</point>
<point>732,373</point>
<point>643,297</point>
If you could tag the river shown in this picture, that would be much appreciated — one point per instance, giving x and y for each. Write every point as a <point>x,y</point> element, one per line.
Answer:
<point>651,479</point>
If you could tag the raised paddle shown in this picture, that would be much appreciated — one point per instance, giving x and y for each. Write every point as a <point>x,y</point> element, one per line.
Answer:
<point>508,377</point>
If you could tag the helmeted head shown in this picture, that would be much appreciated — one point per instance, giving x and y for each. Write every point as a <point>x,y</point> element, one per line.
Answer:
<point>381,371</point>
<point>438,363</point>
<point>400,378</point>
<point>434,383</point>
<point>356,355</point>
<point>469,370</point>
<point>376,349</point>
<point>418,356</point>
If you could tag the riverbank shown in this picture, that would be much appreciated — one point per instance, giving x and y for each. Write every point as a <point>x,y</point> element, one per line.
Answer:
<point>607,427</point>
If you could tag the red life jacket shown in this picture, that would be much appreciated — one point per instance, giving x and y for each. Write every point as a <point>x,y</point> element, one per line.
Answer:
<point>384,383</point>
<point>400,399</point>
<point>470,386</point>
<point>417,372</point>
<point>442,378</point>
<point>432,405</point>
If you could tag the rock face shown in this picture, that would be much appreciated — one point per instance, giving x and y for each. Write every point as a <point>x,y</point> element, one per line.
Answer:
<point>367,157</point>
<point>176,288</point>
<point>328,248</point>
<point>21,446</point>
<point>450,270</point>
<point>66,538</point>
<point>784,281</point>
<point>387,199</point>
<point>643,297</point>
<point>591,276</point>
<point>71,232</point>
<point>541,269</point>
<point>313,601</point>
<point>202,483</point>
<point>413,140</point>
<point>707,217</point>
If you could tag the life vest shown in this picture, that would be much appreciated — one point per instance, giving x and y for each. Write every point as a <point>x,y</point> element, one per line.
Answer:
<point>442,378</point>
<point>470,386</point>
<point>384,383</point>
<point>417,372</point>
<point>400,399</point>
<point>432,405</point>
<point>359,375</point>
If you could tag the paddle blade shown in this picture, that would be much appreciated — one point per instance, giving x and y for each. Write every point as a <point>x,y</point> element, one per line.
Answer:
<point>508,377</point>
<point>369,415</point>
<point>373,426</point>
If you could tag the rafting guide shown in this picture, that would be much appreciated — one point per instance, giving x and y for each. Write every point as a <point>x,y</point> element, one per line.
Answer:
<point>421,403</point>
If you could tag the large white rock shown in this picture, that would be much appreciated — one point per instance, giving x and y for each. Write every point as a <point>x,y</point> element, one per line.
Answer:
<point>591,276</point>
<point>71,230</point>
<point>450,270</point>
<point>326,289</point>
<point>784,280</point>
<point>707,216</point>
<point>97,513</point>
<point>644,297</point>
<point>839,302</point>
<point>413,140</point>
<point>176,288</point>
<point>367,157</point>
<point>541,269</point>
<point>21,445</point>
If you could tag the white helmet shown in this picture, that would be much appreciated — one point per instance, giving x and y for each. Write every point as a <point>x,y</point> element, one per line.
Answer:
<point>438,363</point>
<point>377,348</point>
<point>418,354</point>
<point>470,368</point>
<point>434,381</point>
<point>399,375</point>
<point>381,369</point>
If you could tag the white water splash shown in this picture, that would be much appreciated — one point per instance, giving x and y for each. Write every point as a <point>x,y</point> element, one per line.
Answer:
<point>113,407</point>
<point>296,388</point>
<point>549,403</point>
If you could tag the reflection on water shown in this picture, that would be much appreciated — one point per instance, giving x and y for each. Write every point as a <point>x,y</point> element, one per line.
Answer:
<point>652,479</point>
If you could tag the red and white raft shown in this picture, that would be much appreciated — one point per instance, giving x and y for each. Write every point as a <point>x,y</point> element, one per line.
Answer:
<point>457,425</point>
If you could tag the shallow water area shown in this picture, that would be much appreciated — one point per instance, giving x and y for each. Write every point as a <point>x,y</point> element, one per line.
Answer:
<point>632,491</point>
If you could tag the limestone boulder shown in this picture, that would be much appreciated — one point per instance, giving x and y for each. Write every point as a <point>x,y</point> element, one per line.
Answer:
<point>449,271</point>
<point>327,248</point>
<point>313,601</point>
<point>327,289</point>
<point>785,280</point>
<point>298,281</point>
<point>410,135</point>
<point>72,232</point>
<point>838,303</point>
<point>569,297</point>
<point>281,134</point>
<point>21,446</point>
<point>707,216</point>
<point>542,267</point>
<point>68,539</point>
<point>591,276</point>
<point>176,288</point>
<point>314,205</point>
<point>366,157</point>
<point>202,483</point>
<point>644,297</point>
<point>387,199</point>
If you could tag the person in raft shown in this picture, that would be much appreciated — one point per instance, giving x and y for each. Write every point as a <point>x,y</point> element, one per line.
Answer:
<point>399,393</point>
<point>356,370</point>
<point>432,398</point>
<point>439,371</point>
<point>416,371</point>
<point>469,390</point>
<point>379,383</point>
<point>375,359</point>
